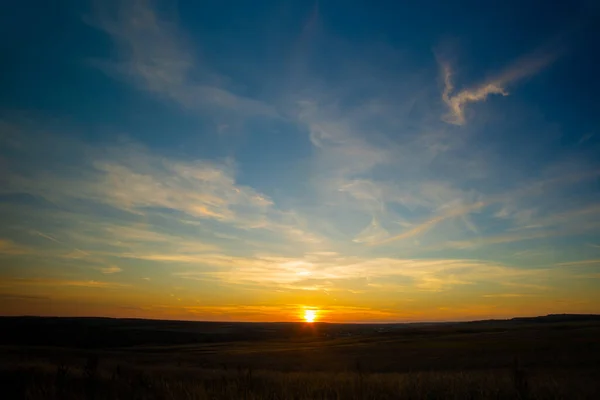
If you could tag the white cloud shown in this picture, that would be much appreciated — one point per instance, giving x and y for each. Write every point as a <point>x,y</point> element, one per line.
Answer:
<point>156,56</point>
<point>372,233</point>
<point>201,189</point>
<point>367,162</point>
<point>113,269</point>
<point>132,178</point>
<point>335,273</point>
<point>520,69</point>
<point>421,228</point>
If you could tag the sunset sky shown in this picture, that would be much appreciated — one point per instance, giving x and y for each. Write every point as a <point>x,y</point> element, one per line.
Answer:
<point>384,161</point>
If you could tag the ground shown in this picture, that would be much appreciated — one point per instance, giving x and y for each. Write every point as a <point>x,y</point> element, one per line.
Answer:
<point>547,357</point>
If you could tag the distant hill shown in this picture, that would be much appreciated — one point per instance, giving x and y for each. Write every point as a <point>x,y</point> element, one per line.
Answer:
<point>553,318</point>
<point>113,332</point>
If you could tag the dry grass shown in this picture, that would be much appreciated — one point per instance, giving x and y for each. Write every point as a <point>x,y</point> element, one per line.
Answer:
<point>90,381</point>
<point>557,362</point>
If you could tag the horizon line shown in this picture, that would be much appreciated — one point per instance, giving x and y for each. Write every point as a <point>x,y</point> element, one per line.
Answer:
<point>301,322</point>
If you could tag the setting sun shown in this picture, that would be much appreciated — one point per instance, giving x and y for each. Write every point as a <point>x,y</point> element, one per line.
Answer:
<point>310,316</point>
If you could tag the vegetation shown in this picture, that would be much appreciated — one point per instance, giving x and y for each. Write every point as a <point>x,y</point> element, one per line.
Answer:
<point>499,360</point>
<point>43,382</point>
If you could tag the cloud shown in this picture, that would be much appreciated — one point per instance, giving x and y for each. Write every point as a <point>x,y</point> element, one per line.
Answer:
<point>528,286</point>
<point>326,273</point>
<point>106,239</point>
<point>373,233</point>
<point>564,224</point>
<point>8,247</point>
<point>156,56</point>
<point>195,258</point>
<point>60,282</point>
<point>577,263</point>
<point>283,312</point>
<point>379,156</point>
<point>426,225</point>
<point>353,148</point>
<point>338,135</point>
<point>90,284</point>
<point>585,138</point>
<point>47,237</point>
<point>113,269</point>
<point>202,189</point>
<point>533,222</point>
<point>20,297</point>
<point>76,253</point>
<point>456,102</point>
<point>133,179</point>
<point>355,153</point>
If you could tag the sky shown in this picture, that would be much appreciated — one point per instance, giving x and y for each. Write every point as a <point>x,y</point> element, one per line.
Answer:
<point>371,161</point>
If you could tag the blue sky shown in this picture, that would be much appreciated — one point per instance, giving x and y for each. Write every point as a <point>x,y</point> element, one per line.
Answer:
<point>385,161</point>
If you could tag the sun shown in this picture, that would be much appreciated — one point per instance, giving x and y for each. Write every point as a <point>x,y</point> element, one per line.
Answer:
<point>310,316</point>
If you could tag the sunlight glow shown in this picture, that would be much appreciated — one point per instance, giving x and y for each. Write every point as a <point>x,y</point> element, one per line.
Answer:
<point>310,316</point>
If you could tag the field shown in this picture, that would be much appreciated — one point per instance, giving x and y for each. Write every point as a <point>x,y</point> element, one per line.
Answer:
<point>553,357</point>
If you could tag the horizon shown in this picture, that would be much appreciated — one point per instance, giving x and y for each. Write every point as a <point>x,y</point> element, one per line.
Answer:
<point>300,161</point>
<point>320,322</point>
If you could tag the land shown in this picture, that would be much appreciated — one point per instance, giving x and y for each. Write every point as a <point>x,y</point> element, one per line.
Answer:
<point>551,357</point>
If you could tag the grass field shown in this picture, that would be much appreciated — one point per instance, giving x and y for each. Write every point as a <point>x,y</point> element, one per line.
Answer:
<point>537,359</point>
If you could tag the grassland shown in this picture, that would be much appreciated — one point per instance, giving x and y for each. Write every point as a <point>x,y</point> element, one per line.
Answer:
<point>556,358</point>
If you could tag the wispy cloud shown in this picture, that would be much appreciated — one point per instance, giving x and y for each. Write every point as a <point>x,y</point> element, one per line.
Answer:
<point>201,189</point>
<point>93,284</point>
<point>8,247</point>
<point>60,282</point>
<point>52,238</point>
<point>128,205</point>
<point>157,57</point>
<point>21,297</point>
<point>522,68</point>
<point>525,285</point>
<point>555,226</point>
<point>335,273</point>
<point>580,262</point>
<point>353,148</point>
<point>279,312</point>
<point>530,223</point>
<point>76,253</point>
<point>133,179</point>
<point>113,269</point>
<point>424,226</point>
